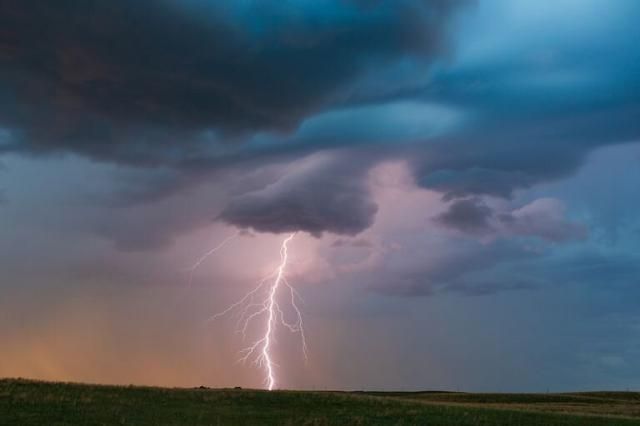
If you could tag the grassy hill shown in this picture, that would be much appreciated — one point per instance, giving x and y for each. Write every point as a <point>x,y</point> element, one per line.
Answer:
<point>24,402</point>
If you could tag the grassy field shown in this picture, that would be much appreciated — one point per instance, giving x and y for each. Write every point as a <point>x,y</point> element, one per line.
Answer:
<point>25,402</point>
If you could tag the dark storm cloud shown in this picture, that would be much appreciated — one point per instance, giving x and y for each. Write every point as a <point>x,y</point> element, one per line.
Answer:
<point>324,192</point>
<point>190,85</point>
<point>198,86</point>
<point>144,81</point>
<point>467,215</point>
<point>547,89</point>
<point>497,159</point>
<point>543,218</point>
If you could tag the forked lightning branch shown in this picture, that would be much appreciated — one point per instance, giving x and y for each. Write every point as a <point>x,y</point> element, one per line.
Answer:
<point>262,305</point>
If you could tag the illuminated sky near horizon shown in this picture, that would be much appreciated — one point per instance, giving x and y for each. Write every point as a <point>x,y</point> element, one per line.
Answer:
<point>464,177</point>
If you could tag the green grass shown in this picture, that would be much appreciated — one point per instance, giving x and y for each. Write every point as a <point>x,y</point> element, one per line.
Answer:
<point>619,404</point>
<point>40,403</point>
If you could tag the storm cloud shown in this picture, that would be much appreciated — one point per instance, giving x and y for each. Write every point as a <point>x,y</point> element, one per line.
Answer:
<point>467,215</point>
<point>544,218</point>
<point>150,82</point>
<point>194,87</point>
<point>326,192</point>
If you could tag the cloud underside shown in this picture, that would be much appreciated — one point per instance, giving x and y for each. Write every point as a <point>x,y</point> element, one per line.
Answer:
<point>195,87</point>
<point>543,218</point>
<point>142,81</point>
<point>324,193</point>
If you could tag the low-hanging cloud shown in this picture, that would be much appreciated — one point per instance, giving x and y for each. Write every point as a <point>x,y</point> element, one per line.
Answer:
<point>544,218</point>
<point>325,192</point>
<point>468,215</point>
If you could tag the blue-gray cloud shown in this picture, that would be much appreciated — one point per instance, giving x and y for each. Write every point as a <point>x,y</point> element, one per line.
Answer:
<point>543,218</point>
<point>198,86</point>
<point>144,81</point>
<point>327,192</point>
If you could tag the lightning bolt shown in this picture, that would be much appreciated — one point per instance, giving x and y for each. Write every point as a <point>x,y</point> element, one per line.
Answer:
<point>206,255</point>
<point>263,302</point>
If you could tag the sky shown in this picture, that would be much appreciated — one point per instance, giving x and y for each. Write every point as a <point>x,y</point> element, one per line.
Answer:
<point>463,178</point>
